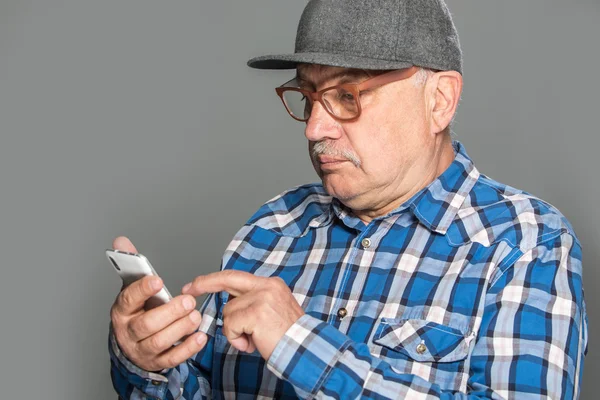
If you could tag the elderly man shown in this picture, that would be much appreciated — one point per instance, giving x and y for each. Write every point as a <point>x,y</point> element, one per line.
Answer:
<point>406,274</point>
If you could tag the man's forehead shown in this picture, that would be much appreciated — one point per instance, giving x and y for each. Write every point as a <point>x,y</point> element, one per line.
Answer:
<point>318,74</point>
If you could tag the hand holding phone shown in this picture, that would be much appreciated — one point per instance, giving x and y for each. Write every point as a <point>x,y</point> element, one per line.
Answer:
<point>134,266</point>
<point>151,338</point>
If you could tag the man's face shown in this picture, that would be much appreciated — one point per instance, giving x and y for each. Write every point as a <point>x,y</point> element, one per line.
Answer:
<point>380,156</point>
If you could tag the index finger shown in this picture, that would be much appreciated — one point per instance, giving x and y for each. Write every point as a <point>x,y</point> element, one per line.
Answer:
<point>132,298</point>
<point>233,282</point>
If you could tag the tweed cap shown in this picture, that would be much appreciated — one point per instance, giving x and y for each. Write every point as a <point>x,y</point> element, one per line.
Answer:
<point>372,34</point>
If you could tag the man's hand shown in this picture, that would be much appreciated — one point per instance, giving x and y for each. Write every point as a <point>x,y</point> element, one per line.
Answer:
<point>147,337</point>
<point>261,312</point>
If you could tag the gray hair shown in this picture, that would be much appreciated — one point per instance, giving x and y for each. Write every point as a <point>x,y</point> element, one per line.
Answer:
<point>422,76</point>
<point>420,80</point>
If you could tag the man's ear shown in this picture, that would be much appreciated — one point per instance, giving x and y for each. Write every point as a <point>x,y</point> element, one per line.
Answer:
<point>445,88</point>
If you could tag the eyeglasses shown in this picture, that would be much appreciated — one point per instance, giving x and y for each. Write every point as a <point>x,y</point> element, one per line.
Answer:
<point>340,101</point>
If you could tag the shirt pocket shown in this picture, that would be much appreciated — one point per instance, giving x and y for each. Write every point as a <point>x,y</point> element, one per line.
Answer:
<point>423,341</point>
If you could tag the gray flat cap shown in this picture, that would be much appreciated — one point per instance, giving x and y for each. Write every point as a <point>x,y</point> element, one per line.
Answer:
<point>372,34</point>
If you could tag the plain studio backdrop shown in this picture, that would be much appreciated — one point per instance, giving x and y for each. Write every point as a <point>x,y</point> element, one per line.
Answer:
<point>140,118</point>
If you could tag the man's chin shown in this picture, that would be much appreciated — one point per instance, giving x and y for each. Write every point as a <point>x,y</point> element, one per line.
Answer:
<point>343,194</point>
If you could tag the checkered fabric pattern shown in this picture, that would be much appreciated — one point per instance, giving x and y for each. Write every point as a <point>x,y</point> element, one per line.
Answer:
<point>471,289</point>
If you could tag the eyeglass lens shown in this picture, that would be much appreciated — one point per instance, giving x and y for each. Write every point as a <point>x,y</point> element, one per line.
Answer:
<point>339,101</point>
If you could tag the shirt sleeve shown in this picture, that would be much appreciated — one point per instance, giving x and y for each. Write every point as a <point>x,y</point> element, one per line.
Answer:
<point>531,342</point>
<point>189,380</point>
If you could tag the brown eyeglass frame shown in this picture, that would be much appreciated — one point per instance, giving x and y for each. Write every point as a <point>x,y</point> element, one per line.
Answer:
<point>354,88</point>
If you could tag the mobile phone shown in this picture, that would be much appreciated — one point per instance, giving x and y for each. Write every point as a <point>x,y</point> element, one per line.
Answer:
<point>134,266</point>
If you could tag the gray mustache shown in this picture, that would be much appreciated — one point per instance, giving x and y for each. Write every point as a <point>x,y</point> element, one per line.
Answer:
<point>326,148</point>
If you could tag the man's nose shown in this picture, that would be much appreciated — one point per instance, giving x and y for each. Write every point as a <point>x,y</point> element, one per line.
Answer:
<point>321,125</point>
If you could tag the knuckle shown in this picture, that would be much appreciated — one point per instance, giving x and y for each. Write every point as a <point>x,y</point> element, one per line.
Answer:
<point>227,328</point>
<point>138,327</point>
<point>172,361</point>
<point>228,273</point>
<point>178,309</point>
<point>193,348</point>
<point>125,299</point>
<point>123,342</point>
<point>142,325</point>
<point>131,330</point>
<point>279,283</point>
<point>268,296</point>
<point>254,308</point>
<point>259,310</point>
<point>197,282</point>
<point>155,344</point>
<point>226,308</point>
<point>177,306</point>
<point>144,286</point>
<point>145,351</point>
<point>226,331</point>
<point>115,316</point>
<point>132,352</point>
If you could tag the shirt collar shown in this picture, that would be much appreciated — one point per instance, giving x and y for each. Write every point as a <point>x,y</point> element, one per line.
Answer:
<point>436,205</point>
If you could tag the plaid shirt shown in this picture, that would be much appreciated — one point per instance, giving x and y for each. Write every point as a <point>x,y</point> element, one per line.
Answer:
<point>471,289</point>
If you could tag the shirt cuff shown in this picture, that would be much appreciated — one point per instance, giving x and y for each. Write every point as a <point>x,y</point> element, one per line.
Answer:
<point>150,383</point>
<point>306,354</point>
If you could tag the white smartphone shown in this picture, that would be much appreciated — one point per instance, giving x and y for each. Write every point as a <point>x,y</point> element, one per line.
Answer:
<point>134,266</point>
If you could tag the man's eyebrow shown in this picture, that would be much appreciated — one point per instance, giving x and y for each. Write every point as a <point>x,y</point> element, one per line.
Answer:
<point>346,76</point>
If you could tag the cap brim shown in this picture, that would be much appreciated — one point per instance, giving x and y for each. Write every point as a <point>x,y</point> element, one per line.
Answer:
<point>290,61</point>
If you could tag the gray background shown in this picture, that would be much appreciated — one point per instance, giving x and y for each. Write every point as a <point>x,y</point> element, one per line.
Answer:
<point>140,118</point>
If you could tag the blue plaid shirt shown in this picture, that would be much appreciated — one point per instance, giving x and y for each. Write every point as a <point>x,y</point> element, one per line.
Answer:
<point>471,289</point>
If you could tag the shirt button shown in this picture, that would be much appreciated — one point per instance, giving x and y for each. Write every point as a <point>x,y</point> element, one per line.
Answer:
<point>366,243</point>
<point>342,312</point>
<point>421,348</point>
<point>155,383</point>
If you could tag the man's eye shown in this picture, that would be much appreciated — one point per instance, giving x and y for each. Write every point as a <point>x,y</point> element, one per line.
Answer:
<point>346,96</point>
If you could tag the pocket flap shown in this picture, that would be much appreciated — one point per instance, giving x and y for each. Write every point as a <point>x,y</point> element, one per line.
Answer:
<point>423,340</point>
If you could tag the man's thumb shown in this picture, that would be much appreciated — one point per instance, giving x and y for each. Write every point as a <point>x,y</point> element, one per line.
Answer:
<point>124,244</point>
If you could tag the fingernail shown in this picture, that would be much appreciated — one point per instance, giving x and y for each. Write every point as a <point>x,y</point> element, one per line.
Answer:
<point>195,316</point>
<point>155,284</point>
<point>201,339</point>
<point>186,287</point>
<point>188,303</point>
